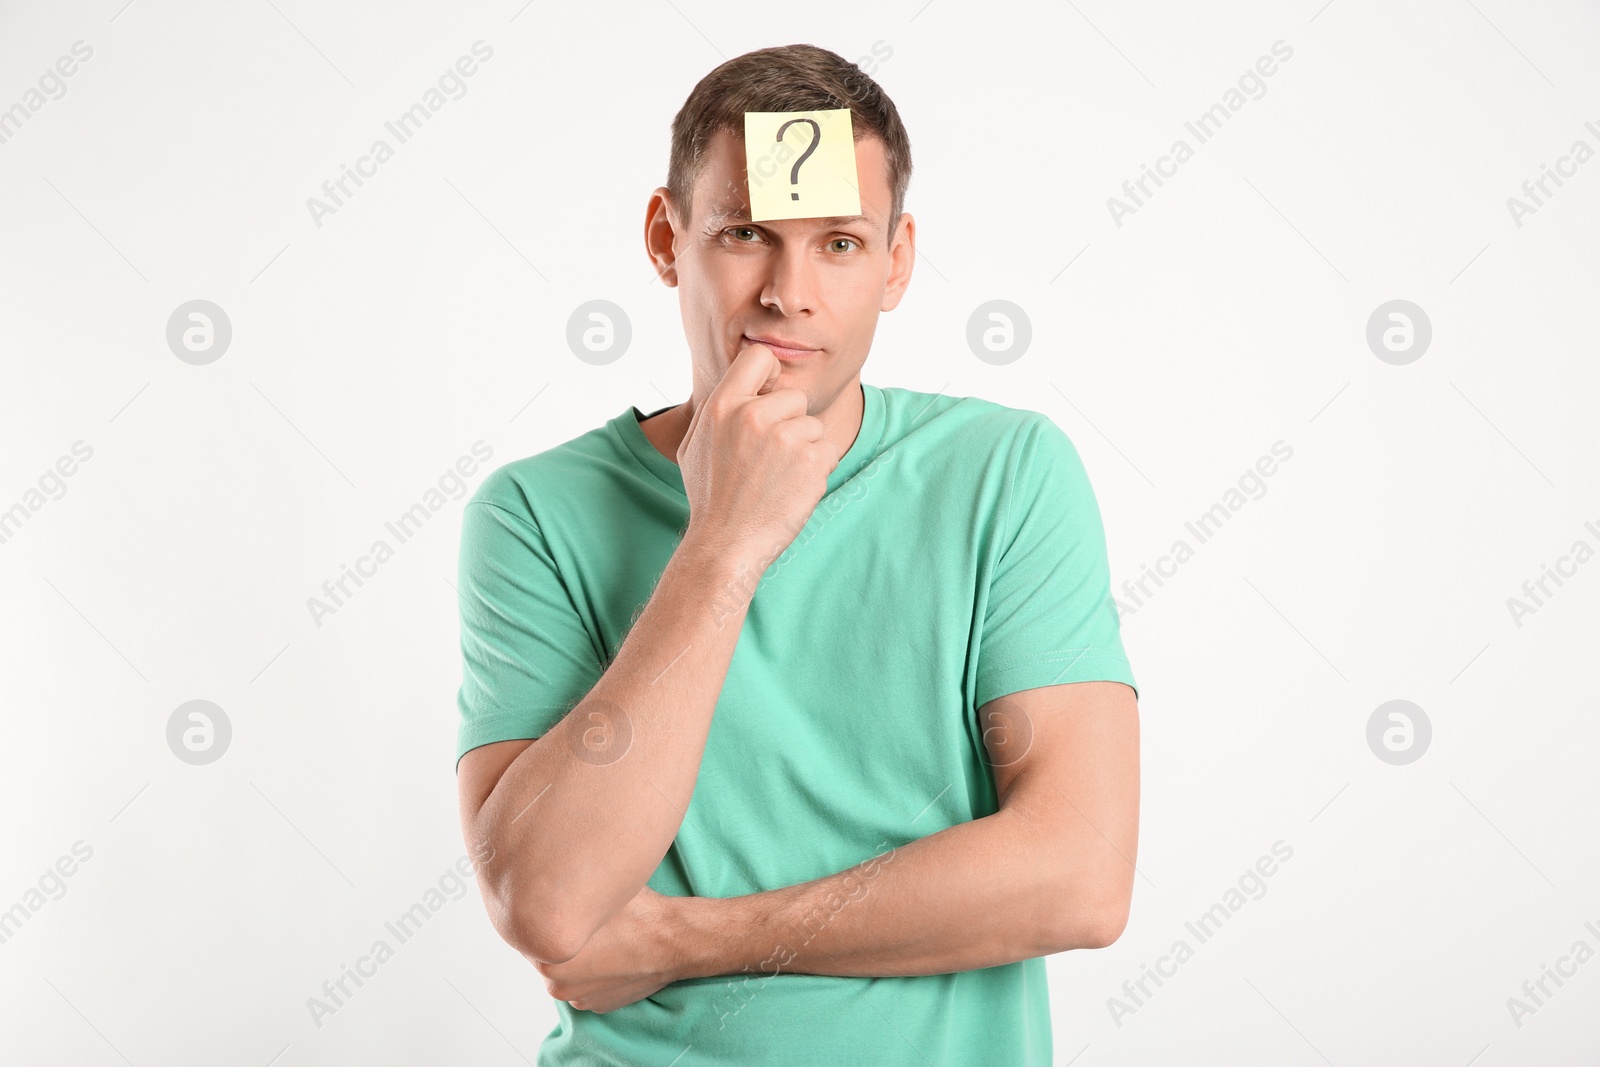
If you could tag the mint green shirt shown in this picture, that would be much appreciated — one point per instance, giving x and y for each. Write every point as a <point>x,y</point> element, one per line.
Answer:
<point>957,556</point>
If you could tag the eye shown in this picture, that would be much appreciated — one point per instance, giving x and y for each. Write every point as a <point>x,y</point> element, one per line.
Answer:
<point>844,241</point>
<point>740,229</point>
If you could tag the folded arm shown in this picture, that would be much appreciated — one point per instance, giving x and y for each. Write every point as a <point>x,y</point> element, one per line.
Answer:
<point>1052,870</point>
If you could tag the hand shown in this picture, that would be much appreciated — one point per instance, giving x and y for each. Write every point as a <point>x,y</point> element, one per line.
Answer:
<point>627,959</point>
<point>754,464</point>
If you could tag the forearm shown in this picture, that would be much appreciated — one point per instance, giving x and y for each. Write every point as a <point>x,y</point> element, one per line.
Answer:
<point>979,894</point>
<point>582,817</point>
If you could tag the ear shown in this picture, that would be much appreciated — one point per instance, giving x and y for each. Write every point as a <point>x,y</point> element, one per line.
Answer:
<point>902,257</point>
<point>659,236</point>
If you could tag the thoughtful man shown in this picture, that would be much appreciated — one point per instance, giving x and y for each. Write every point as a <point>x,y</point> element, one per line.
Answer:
<point>796,715</point>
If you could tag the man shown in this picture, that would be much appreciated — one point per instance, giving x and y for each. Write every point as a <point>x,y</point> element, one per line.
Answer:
<point>796,715</point>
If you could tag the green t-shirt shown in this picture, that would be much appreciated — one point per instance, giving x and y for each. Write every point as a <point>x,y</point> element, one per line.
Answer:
<point>957,556</point>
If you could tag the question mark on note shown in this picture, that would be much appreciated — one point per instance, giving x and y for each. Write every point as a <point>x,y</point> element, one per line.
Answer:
<point>816,139</point>
<point>831,186</point>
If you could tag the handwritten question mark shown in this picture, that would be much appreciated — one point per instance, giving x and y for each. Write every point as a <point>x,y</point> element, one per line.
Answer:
<point>816,137</point>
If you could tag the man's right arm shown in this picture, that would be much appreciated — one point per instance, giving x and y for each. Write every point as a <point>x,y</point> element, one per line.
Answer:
<point>580,819</point>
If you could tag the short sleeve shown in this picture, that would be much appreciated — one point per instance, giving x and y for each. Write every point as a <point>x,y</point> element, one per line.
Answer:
<point>1049,617</point>
<point>527,656</point>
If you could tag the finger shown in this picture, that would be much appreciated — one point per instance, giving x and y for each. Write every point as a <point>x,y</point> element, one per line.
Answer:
<point>753,371</point>
<point>781,404</point>
<point>772,373</point>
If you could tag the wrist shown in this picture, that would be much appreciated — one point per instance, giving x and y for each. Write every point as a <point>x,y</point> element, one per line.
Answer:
<point>710,552</point>
<point>712,548</point>
<point>727,576</point>
<point>715,936</point>
<point>692,946</point>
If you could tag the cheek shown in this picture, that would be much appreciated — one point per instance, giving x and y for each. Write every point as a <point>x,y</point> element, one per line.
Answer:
<point>726,282</point>
<point>851,304</point>
<point>700,291</point>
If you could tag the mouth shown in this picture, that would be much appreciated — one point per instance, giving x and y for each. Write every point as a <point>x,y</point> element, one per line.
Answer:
<point>783,348</point>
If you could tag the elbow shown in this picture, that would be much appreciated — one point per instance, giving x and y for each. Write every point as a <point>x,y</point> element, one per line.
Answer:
<point>525,919</point>
<point>541,936</point>
<point>1105,925</point>
<point>1088,920</point>
<point>522,913</point>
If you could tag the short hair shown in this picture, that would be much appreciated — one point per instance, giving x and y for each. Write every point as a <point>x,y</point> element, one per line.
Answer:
<point>796,77</point>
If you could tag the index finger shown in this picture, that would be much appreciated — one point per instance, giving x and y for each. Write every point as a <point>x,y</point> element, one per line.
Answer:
<point>753,371</point>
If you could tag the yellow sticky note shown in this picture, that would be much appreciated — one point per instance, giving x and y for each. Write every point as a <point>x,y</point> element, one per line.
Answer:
<point>800,164</point>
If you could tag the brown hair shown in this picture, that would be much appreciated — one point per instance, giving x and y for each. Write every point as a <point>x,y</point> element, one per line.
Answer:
<point>796,77</point>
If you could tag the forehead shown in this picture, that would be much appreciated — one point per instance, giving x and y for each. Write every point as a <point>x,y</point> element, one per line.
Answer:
<point>722,191</point>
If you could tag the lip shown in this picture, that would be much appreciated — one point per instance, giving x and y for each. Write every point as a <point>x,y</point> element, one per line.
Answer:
<point>782,347</point>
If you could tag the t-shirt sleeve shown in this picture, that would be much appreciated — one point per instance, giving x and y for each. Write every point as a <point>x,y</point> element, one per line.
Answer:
<point>527,656</point>
<point>1049,618</point>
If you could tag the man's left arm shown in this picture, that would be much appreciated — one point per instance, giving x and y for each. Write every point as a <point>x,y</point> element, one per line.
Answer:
<point>1051,870</point>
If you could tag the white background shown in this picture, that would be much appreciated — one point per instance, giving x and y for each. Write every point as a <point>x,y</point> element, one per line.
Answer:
<point>429,312</point>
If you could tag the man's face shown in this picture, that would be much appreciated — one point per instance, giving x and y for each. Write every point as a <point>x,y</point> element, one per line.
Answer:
<point>817,285</point>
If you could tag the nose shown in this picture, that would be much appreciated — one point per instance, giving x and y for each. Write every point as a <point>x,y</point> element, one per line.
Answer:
<point>791,287</point>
